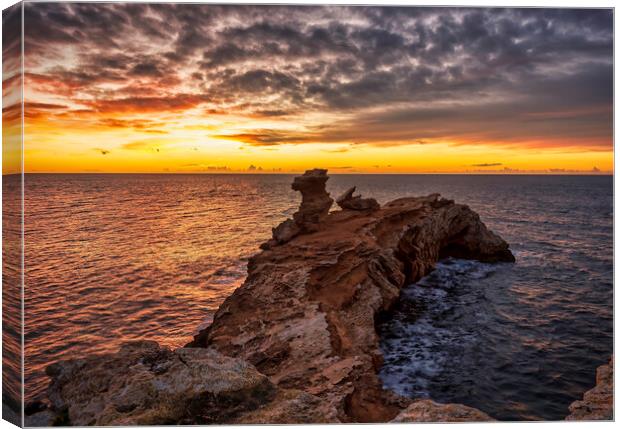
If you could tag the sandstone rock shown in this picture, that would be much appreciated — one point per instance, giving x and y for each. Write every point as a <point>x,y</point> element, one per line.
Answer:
<point>430,411</point>
<point>291,407</point>
<point>305,316</point>
<point>348,202</point>
<point>145,384</point>
<point>315,201</point>
<point>285,231</point>
<point>598,402</point>
<point>315,205</point>
<point>281,234</point>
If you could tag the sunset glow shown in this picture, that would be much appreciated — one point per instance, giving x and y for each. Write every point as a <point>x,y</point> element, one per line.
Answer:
<point>203,88</point>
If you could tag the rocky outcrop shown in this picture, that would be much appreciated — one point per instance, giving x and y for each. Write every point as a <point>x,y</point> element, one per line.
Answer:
<point>290,407</point>
<point>349,202</point>
<point>296,343</point>
<point>306,314</point>
<point>283,233</point>
<point>315,201</point>
<point>315,205</point>
<point>598,402</point>
<point>145,384</point>
<point>430,411</point>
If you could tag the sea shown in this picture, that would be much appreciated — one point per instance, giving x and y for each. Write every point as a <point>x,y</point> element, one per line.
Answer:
<point>117,257</point>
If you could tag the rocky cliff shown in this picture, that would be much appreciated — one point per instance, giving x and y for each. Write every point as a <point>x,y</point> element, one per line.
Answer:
<point>306,314</point>
<point>300,330</point>
<point>598,402</point>
<point>147,384</point>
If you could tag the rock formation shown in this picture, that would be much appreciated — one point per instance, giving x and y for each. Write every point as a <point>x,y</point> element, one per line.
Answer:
<point>315,201</point>
<point>598,402</point>
<point>315,205</point>
<point>431,412</point>
<point>283,233</point>
<point>305,316</point>
<point>296,343</point>
<point>146,384</point>
<point>348,202</point>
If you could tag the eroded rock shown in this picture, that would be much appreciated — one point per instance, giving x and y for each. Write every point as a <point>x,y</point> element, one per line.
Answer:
<point>305,316</point>
<point>349,202</point>
<point>291,407</point>
<point>285,231</point>
<point>146,384</point>
<point>598,402</point>
<point>315,201</point>
<point>314,207</point>
<point>430,411</point>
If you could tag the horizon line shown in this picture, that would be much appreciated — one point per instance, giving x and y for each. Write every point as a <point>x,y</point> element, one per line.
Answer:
<point>274,173</point>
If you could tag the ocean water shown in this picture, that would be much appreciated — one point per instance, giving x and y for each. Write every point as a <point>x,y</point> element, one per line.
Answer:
<point>111,258</point>
<point>11,298</point>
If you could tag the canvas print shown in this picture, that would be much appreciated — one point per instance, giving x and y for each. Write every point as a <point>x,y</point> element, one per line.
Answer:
<point>267,214</point>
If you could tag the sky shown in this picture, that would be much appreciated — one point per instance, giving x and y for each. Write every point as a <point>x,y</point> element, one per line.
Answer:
<point>11,91</point>
<point>206,88</point>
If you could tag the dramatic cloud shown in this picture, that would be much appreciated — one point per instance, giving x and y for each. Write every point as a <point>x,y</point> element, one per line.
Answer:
<point>270,137</point>
<point>293,75</point>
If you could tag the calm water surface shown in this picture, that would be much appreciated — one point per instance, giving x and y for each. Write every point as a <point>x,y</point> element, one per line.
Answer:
<point>11,298</point>
<point>111,258</point>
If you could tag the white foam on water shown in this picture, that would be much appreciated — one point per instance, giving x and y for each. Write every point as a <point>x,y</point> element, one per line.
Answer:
<point>417,345</point>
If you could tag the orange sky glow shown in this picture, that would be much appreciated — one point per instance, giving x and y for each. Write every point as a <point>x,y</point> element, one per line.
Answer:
<point>205,88</point>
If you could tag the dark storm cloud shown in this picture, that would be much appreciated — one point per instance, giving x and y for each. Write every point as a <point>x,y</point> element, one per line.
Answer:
<point>148,68</point>
<point>261,81</point>
<point>425,72</point>
<point>11,65</point>
<point>177,102</point>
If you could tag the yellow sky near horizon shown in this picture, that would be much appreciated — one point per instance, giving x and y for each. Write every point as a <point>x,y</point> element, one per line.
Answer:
<point>189,151</point>
<point>200,144</point>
